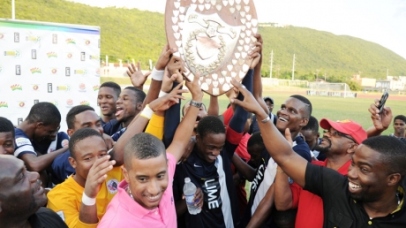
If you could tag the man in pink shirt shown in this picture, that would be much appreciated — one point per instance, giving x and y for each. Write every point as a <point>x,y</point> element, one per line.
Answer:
<point>145,196</point>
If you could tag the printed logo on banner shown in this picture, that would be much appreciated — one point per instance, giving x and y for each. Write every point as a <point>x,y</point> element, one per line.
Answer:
<point>1,36</point>
<point>52,55</point>
<point>36,101</point>
<point>70,41</point>
<point>16,37</point>
<point>54,70</point>
<point>18,70</point>
<point>1,69</point>
<point>12,53</point>
<point>87,42</point>
<point>82,56</point>
<point>96,88</point>
<point>67,71</point>
<point>82,87</point>
<point>85,103</point>
<point>21,104</point>
<point>33,54</point>
<point>49,87</point>
<point>55,103</point>
<point>54,38</point>
<point>16,87</point>
<point>63,88</point>
<point>35,70</point>
<point>69,103</point>
<point>35,87</point>
<point>69,55</point>
<point>80,72</point>
<point>32,38</point>
<point>3,104</point>
<point>20,121</point>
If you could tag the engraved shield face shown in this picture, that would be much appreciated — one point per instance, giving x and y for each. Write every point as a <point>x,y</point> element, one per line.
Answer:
<point>213,37</point>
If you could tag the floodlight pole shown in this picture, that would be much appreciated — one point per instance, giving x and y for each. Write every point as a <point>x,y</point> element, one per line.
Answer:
<point>293,68</point>
<point>13,10</point>
<point>270,74</point>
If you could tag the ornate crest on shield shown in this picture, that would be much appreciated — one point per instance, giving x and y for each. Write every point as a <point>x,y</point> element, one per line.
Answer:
<point>213,37</point>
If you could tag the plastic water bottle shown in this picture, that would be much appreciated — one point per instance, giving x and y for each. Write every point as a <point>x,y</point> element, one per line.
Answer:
<point>189,190</point>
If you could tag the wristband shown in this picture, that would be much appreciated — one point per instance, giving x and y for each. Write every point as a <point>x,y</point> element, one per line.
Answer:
<point>162,93</point>
<point>147,112</point>
<point>196,104</point>
<point>157,75</point>
<point>86,200</point>
<point>266,119</point>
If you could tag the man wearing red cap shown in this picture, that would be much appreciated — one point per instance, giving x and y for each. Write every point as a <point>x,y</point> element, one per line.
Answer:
<point>339,142</point>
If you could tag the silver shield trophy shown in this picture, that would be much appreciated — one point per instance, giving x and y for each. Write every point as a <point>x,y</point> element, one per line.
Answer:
<point>213,38</point>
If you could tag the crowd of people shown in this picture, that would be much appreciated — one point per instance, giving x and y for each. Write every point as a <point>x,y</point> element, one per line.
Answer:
<point>126,167</point>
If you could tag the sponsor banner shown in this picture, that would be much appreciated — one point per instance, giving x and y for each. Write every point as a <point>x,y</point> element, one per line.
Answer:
<point>51,62</point>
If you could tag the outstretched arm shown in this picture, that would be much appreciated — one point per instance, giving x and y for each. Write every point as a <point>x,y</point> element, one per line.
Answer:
<point>40,163</point>
<point>213,106</point>
<point>172,115</point>
<point>140,121</point>
<point>275,143</point>
<point>157,74</point>
<point>185,128</point>
<point>256,55</point>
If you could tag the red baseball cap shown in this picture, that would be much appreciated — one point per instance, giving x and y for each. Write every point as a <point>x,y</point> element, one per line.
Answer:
<point>347,127</point>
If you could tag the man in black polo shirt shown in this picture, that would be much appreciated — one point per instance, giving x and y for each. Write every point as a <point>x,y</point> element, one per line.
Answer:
<point>22,198</point>
<point>371,195</point>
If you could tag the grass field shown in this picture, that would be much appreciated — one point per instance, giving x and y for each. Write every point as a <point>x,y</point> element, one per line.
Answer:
<point>323,107</point>
<point>330,107</point>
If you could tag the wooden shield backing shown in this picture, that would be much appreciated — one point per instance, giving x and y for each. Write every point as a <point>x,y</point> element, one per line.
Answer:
<point>213,37</point>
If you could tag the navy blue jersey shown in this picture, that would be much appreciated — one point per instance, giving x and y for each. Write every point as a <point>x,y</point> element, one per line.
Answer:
<point>61,168</point>
<point>111,127</point>
<point>24,145</point>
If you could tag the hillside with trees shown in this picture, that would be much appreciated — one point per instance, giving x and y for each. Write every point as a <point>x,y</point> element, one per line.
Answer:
<point>133,34</point>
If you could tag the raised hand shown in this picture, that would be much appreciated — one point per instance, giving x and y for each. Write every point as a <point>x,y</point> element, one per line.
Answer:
<point>175,66</point>
<point>249,103</point>
<point>164,57</point>
<point>175,69</point>
<point>198,198</point>
<point>97,175</point>
<point>137,77</point>
<point>164,103</point>
<point>381,121</point>
<point>256,53</point>
<point>194,88</point>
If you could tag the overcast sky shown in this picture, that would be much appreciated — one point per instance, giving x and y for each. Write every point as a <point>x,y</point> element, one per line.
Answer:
<point>379,21</point>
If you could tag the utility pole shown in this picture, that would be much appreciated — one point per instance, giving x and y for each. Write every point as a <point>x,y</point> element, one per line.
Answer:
<point>13,10</point>
<point>271,65</point>
<point>293,68</point>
